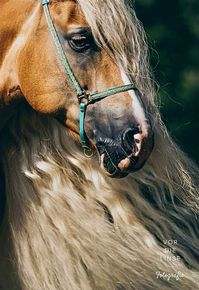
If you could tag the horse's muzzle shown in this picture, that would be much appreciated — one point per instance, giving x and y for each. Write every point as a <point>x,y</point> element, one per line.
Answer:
<point>127,153</point>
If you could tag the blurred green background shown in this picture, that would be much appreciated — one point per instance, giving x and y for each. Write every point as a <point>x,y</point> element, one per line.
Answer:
<point>173,32</point>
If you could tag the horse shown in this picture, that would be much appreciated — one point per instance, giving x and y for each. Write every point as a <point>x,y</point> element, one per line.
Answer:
<point>75,81</point>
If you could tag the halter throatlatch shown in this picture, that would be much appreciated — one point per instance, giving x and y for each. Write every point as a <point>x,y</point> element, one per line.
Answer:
<point>84,98</point>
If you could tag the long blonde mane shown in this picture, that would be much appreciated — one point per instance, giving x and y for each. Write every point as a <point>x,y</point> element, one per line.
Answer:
<point>70,227</point>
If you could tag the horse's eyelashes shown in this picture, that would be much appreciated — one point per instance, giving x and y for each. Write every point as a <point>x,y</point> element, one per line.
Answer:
<point>80,41</point>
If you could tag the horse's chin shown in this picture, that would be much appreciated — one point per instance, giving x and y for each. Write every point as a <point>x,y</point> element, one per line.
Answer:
<point>111,170</point>
<point>115,174</point>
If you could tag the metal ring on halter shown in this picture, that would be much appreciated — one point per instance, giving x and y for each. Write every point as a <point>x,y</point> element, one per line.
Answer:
<point>88,152</point>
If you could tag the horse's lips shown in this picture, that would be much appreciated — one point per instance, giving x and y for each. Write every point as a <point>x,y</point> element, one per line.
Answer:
<point>102,165</point>
<point>124,164</point>
<point>117,173</point>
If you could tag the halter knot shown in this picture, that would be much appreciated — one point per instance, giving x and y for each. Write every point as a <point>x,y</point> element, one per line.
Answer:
<point>84,97</point>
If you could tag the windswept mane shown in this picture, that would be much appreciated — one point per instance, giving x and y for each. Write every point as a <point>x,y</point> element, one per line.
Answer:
<point>123,36</point>
<point>73,228</point>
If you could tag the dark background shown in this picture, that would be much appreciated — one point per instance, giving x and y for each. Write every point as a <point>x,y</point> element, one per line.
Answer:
<point>172,29</point>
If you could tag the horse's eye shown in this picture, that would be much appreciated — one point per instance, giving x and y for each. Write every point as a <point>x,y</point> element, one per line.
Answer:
<point>80,42</point>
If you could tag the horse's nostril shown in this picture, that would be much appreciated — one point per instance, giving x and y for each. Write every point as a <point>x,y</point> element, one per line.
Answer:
<point>129,136</point>
<point>128,139</point>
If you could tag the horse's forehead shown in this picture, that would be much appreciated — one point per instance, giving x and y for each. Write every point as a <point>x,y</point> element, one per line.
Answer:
<point>69,14</point>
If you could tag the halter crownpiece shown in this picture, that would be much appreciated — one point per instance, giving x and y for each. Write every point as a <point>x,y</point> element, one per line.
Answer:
<point>84,98</point>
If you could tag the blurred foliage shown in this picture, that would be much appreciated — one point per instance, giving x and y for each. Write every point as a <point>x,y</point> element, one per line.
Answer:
<point>173,32</point>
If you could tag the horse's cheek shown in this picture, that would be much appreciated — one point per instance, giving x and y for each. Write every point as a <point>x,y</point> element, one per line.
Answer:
<point>40,79</point>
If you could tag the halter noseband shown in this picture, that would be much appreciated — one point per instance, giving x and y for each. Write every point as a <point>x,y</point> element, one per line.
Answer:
<point>84,98</point>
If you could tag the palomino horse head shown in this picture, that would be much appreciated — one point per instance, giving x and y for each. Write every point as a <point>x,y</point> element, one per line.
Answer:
<point>118,125</point>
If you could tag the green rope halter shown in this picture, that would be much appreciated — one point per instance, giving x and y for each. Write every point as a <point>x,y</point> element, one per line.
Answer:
<point>84,98</point>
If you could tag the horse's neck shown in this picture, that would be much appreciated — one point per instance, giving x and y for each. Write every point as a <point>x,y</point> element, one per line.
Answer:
<point>14,15</point>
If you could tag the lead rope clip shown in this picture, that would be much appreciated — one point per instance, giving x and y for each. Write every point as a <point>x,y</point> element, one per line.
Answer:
<point>88,152</point>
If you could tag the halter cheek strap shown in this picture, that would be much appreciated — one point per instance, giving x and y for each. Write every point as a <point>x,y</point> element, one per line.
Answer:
<point>84,98</point>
